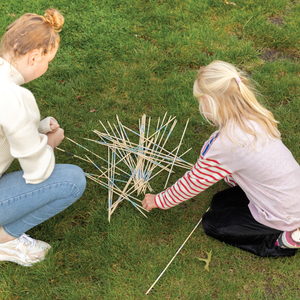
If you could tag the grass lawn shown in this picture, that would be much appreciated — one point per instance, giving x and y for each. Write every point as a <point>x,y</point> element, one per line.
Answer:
<point>127,58</point>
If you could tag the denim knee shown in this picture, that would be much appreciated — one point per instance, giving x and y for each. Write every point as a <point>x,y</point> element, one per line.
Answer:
<point>78,178</point>
<point>74,175</point>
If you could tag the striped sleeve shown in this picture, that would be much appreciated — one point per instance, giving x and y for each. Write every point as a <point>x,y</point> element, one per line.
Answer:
<point>230,181</point>
<point>205,173</point>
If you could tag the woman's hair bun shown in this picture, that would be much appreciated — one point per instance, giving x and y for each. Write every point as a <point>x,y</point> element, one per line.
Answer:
<point>54,18</point>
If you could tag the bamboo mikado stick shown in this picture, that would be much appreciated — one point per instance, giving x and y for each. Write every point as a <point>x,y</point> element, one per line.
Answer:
<point>138,185</point>
<point>177,152</point>
<point>156,145</point>
<point>120,147</point>
<point>141,158</point>
<point>147,139</point>
<point>174,256</point>
<point>122,158</point>
<point>115,136</point>
<point>128,161</point>
<point>115,204</point>
<point>127,158</point>
<point>138,172</point>
<point>71,154</point>
<point>108,182</point>
<point>150,170</point>
<point>116,189</point>
<point>113,177</point>
<point>92,153</point>
<point>158,129</point>
<point>146,150</point>
<point>119,192</point>
<point>127,194</point>
<point>137,206</point>
<point>86,161</point>
<point>158,156</point>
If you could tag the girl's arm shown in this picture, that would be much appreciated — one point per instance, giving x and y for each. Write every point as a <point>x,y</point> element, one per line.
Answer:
<point>205,173</point>
<point>230,181</point>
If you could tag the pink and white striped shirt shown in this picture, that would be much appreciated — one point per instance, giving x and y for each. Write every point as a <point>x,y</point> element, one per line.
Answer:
<point>205,173</point>
<point>267,173</point>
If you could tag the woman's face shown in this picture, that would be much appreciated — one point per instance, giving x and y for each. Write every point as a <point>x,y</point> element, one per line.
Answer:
<point>33,64</point>
<point>41,64</point>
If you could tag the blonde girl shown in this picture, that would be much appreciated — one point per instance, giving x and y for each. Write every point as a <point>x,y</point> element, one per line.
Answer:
<point>42,188</point>
<point>260,212</point>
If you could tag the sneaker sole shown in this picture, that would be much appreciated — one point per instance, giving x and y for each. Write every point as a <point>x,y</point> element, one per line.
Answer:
<point>20,262</point>
<point>287,242</point>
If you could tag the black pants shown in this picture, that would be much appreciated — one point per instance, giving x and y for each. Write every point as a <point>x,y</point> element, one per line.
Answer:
<point>229,220</point>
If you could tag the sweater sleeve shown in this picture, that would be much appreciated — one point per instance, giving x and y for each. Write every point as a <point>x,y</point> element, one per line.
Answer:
<point>205,173</point>
<point>20,121</point>
<point>44,125</point>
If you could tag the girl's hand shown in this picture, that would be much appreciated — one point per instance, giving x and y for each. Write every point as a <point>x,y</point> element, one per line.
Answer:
<point>54,126</point>
<point>148,202</point>
<point>55,137</point>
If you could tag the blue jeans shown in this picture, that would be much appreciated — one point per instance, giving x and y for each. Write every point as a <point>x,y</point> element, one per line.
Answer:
<point>23,206</point>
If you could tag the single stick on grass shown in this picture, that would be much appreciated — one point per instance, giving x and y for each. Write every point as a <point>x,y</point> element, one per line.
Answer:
<point>174,256</point>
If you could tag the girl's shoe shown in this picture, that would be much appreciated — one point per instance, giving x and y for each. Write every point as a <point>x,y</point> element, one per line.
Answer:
<point>24,250</point>
<point>289,239</point>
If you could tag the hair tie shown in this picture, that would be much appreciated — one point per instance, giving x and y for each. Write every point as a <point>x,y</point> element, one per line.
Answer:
<point>238,80</point>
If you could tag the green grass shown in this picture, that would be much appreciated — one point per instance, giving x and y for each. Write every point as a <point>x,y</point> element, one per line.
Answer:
<point>133,57</point>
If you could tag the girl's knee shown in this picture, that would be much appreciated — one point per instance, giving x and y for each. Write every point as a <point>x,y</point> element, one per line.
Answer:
<point>211,225</point>
<point>216,201</point>
<point>208,223</point>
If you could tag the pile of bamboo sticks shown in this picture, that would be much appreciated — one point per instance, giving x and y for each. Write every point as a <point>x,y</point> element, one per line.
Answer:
<point>137,162</point>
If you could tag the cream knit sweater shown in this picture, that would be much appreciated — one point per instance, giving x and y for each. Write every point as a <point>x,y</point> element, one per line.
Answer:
<point>22,134</point>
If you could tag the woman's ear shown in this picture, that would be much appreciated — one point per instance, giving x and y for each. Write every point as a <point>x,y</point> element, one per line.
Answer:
<point>33,57</point>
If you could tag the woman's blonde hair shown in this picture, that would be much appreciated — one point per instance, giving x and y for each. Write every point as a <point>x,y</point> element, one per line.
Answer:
<point>31,32</point>
<point>229,96</point>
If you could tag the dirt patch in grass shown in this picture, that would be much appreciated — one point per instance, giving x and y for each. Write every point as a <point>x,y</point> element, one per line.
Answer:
<point>270,55</point>
<point>276,20</point>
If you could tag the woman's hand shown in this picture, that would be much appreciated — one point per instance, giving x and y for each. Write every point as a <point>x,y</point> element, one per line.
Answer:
<point>148,202</point>
<point>55,137</point>
<point>54,126</point>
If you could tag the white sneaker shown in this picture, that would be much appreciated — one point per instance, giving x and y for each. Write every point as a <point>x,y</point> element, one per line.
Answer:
<point>24,250</point>
<point>290,239</point>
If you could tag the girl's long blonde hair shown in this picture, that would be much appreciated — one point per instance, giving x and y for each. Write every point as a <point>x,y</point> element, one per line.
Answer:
<point>229,96</point>
<point>31,32</point>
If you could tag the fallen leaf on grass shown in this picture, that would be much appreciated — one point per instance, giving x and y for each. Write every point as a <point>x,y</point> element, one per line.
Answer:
<point>206,260</point>
<point>93,110</point>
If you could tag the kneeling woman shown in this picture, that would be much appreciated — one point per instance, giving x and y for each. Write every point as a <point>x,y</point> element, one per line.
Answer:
<point>42,189</point>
